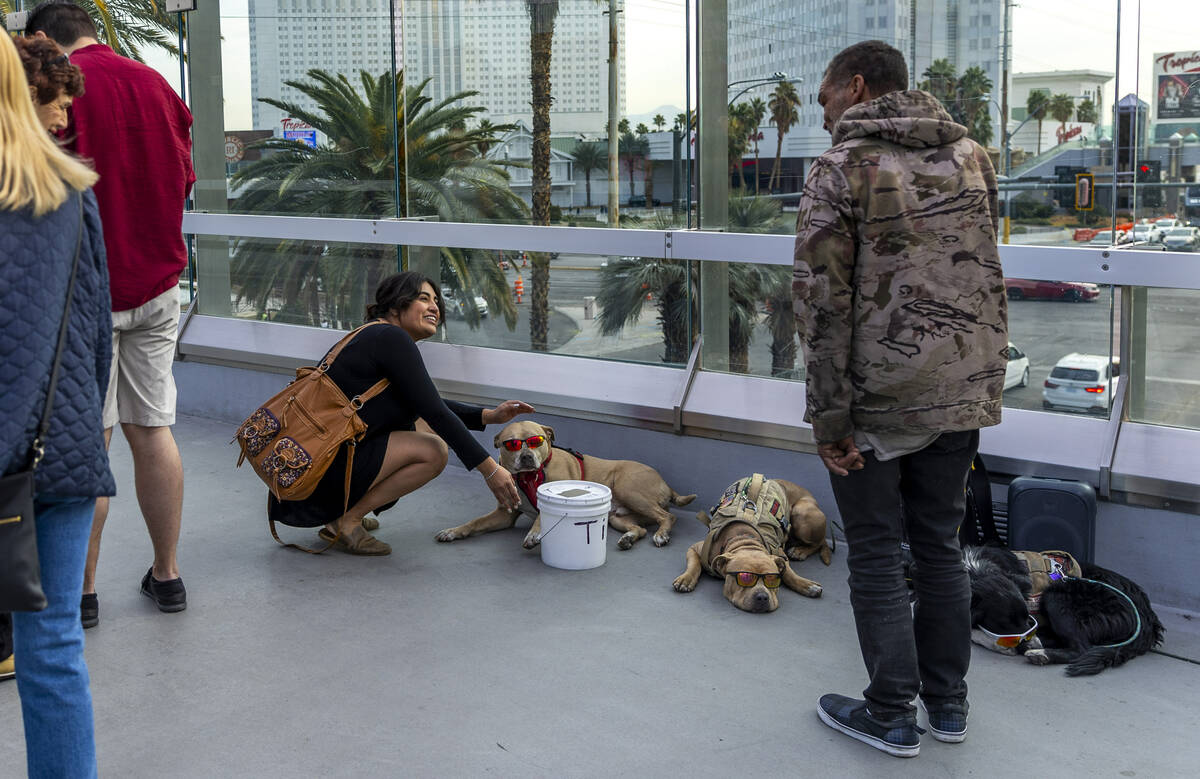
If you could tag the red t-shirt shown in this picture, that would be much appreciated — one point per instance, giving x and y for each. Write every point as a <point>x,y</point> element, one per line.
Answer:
<point>136,130</point>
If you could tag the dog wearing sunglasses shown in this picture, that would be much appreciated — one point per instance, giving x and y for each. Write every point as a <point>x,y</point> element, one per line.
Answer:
<point>1054,610</point>
<point>639,493</point>
<point>754,533</point>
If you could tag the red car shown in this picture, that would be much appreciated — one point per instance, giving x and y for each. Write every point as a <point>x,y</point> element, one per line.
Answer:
<point>1052,290</point>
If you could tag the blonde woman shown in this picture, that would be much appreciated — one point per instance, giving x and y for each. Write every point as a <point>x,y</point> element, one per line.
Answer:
<point>46,210</point>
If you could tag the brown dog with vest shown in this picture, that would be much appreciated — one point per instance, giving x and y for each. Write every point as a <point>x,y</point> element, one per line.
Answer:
<point>639,494</point>
<point>757,528</point>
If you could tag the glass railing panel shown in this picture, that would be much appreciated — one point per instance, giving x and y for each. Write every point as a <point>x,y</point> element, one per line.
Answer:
<point>521,93</point>
<point>632,309</point>
<point>309,105</point>
<point>1165,383</point>
<point>1161,113</point>
<point>1062,338</point>
<point>310,283</point>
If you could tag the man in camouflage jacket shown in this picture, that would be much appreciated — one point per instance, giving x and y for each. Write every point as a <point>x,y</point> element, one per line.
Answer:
<point>899,299</point>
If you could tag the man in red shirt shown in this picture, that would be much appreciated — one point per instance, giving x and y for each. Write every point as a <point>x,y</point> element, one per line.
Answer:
<point>136,131</point>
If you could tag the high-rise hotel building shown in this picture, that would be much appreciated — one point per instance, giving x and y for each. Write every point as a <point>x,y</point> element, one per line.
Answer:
<point>460,45</point>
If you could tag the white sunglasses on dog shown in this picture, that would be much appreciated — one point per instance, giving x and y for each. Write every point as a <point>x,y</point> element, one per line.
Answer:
<point>1004,641</point>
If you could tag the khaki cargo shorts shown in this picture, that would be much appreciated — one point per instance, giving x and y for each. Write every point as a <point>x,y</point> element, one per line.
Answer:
<point>141,387</point>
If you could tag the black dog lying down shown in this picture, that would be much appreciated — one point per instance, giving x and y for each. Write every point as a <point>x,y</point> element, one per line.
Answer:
<point>1080,621</point>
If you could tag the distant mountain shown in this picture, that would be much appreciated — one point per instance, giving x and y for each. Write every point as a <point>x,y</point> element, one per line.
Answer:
<point>668,112</point>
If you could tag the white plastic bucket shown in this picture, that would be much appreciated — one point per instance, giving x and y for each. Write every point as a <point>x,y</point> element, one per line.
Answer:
<point>574,523</point>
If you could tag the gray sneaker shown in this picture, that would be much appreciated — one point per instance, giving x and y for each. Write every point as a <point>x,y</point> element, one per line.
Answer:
<point>900,737</point>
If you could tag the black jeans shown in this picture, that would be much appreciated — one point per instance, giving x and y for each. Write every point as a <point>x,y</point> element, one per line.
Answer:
<point>907,651</point>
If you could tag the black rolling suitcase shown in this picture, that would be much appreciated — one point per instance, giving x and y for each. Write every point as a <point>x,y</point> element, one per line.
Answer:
<point>1052,514</point>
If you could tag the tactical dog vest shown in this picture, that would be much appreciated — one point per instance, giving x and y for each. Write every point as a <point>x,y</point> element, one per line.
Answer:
<point>755,501</point>
<point>1047,567</point>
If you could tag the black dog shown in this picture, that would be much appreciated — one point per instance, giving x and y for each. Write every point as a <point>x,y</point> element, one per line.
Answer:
<point>1096,620</point>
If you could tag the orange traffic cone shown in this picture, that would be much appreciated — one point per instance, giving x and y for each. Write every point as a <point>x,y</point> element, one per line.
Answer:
<point>519,288</point>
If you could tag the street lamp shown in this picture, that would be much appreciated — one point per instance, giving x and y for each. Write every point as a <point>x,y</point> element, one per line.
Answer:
<point>775,78</point>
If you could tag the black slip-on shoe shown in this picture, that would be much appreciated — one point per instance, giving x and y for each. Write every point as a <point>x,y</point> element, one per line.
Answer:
<point>169,596</point>
<point>89,610</point>
<point>901,737</point>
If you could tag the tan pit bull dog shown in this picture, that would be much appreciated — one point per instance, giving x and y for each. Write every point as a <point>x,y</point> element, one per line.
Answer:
<point>639,494</point>
<point>756,527</point>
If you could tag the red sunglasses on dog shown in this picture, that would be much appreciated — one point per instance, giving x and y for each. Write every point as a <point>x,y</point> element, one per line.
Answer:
<point>750,578</point>
<point>514,444</point>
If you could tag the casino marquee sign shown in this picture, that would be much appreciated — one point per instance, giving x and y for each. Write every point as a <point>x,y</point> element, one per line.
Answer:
<point>1177,85</point>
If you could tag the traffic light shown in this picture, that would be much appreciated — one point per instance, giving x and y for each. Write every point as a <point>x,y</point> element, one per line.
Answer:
<point>1149,172</point>
<point>1085,192</point>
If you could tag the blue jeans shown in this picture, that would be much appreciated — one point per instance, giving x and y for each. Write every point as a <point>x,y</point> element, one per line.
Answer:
<point>52,678</point>
<point>910,651</point>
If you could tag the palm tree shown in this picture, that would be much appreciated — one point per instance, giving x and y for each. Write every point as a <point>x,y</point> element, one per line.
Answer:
<point>659,122</point>
<point>941,81</point>
<point>1062,108</point>
<point>740,119</point>
<point>354,172</point>
<point>489,133</point>
<point>783,102</point>
<point>774,282</point>
<point>542,15</point>
<point>758,112</point>
<point>632,147</point>
<point>974,87</point>
<point>1086,112</point>
<point>588,157</point>
<point>625,282</point>
<point>680,121</point>
<point>1037,104</point>
<point>622,296</point>
<point>127,26</point>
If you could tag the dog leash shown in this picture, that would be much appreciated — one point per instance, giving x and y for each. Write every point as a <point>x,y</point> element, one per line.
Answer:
<point>1136,614</point>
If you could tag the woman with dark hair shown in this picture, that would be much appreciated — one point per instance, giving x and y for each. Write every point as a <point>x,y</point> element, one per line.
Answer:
<point>54,82</point>
<point>409,425</point>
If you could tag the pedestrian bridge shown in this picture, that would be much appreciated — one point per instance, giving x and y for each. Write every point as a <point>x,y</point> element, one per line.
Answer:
<point>474,658</point>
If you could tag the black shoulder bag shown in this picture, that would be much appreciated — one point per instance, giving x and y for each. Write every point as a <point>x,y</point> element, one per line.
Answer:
<point>20,574</point>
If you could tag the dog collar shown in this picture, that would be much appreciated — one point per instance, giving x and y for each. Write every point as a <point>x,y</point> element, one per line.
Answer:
<point>529,481</point>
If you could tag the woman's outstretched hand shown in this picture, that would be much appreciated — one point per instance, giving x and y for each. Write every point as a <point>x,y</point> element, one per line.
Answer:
<point>505,412</point>
<point>501,483</point>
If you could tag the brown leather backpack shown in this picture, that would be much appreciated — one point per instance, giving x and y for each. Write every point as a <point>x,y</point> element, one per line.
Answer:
<point>292,439</point>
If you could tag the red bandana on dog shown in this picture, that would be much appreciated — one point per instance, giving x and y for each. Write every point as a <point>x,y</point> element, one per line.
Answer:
<point>529,481</point>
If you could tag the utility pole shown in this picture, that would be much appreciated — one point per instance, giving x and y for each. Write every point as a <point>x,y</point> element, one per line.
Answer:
<point>1006,53</point>
<point>614,160</point>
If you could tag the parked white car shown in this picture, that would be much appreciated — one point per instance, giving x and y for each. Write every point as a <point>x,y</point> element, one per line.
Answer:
<point>1168,223</point>
<point>1081,382</point>
<point>1017,372</point>
<point>1147,233</point>
<point>1182,239</point>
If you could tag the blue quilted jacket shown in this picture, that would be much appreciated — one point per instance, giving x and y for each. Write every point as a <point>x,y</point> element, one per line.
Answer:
<point>35,266</point>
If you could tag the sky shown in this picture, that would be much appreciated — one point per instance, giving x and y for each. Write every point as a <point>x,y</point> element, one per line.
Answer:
<point>1046,35</point>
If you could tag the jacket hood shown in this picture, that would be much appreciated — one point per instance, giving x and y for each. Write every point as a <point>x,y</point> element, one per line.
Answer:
<point>909,118</point>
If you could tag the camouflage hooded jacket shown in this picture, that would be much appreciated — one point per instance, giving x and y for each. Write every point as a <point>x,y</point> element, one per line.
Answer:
<point>899,294</point>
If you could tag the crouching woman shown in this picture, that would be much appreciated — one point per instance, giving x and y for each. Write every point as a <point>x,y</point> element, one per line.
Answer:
<point>410,428</point>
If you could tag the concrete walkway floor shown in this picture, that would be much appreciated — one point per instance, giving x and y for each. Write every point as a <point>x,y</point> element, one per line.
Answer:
<point>474,659</point>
